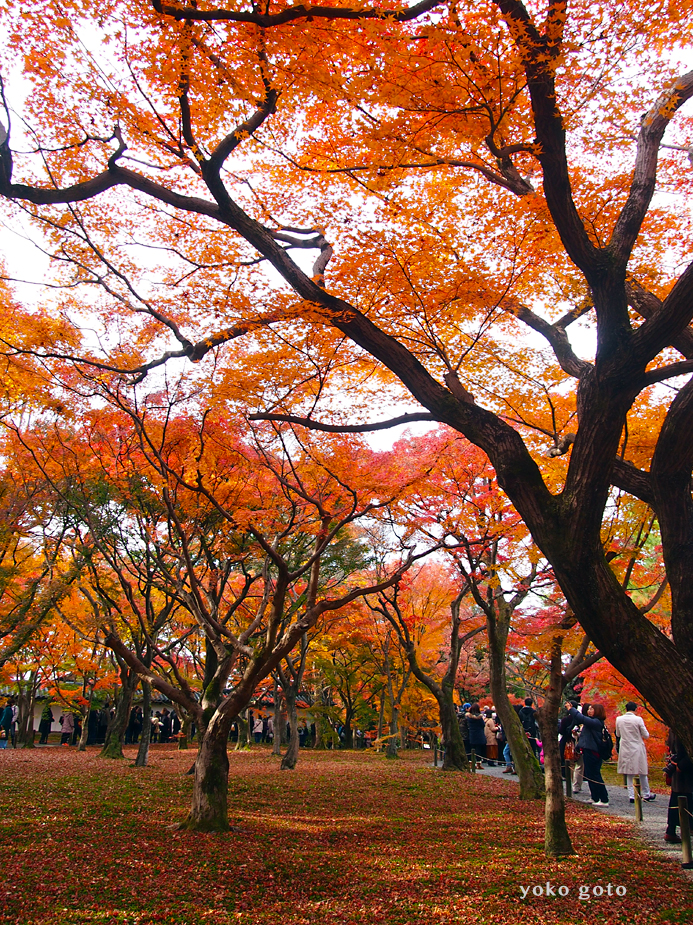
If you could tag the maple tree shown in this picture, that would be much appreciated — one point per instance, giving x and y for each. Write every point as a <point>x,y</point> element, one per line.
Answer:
<point>199,531</point>
<point>465,174</point>
<point>491,561</point>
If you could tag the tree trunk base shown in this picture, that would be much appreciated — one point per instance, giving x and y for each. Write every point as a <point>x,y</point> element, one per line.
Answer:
<point>112,750</point>
<point>557,842</point>
<point>210,824</point>
<point>455,758</point>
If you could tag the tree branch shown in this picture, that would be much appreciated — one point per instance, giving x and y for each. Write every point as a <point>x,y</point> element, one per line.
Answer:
<point>343,428</point>
<point>292,13</point>
<point>642,187</point>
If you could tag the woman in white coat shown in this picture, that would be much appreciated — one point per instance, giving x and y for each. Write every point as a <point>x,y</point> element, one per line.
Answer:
<point>632,755</point>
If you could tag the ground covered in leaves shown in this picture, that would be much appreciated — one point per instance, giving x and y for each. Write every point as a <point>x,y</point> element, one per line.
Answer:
<point>345,838</point>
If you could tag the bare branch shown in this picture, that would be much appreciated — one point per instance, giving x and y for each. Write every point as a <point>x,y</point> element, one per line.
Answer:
<point>292,13</point>
<point>343,428</point>
<point>652,128</point>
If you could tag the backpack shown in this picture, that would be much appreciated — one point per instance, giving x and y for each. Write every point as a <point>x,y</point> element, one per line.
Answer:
<point>529,723</point>
<point>606,744</point>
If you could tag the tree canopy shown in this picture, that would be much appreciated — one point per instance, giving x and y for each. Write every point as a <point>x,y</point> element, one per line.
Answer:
<point>412,203</point>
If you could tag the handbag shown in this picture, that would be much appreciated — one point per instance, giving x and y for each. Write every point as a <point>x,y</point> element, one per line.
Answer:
<point>606,744</point>
<point>670,768</point>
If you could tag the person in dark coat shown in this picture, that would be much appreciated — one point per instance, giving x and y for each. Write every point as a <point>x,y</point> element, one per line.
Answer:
<point>681,785</point>
<point>590,742</point>
<point>528,718</point>
<point>566,725</point>
<point>464,728</point>
<point>130,728</point>
<point>104,720</point>
<point>477,730</point>
<point>45,723</point>
<point>6,724</point>
<point>93,727</point>
<point>165,726</point>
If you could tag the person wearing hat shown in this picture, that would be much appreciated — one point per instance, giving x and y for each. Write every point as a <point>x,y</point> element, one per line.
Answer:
<point>464,728</point>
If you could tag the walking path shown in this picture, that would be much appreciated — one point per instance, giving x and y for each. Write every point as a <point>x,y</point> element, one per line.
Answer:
<point>651,829</point>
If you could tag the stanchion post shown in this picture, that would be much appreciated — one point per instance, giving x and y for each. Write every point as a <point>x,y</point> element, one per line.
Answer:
<point>638,799</point>
<point>435,756</point>
<point>685,824</point>
<point>473,760</point>
<point>569,778</point>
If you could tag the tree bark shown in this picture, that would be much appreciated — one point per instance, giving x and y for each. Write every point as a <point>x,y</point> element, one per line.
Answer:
<point>556,838</point>
<point>526,765</point>
<point>209,810</point>
<point>277,738</point>
<point>290,759</point>
<point>392,743</point>
<point>455,755</point>
<point>243,732</point>
<point>145,737</point>
<point>113,745</point>
<point>86,710</point>
<point>25,731</point>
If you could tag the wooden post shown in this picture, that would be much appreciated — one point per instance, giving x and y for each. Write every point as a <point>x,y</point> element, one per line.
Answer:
<point>435,756</point>
<point>685,825</point>
<point>638,799</point>
<point>473,760</point>
<point>569,778</point>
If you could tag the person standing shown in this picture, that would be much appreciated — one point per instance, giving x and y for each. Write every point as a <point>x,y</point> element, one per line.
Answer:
<point>45,723</point>
<point>681,785</point>
<point>464,728</point>
<point>491,730</point>
<point>579,765</point>
<point>15,718</point>
<point>565,736</point>
<point>67,727</point>
<point>528,718</point>
<point>165,733</point>
<point>5,724</point>
<point>590,742</point>
<point>130,734</point>
<point>477,731</point>
<point>632,755</point>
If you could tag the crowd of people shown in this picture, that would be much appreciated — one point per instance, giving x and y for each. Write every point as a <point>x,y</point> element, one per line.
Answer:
<point>585,743</point>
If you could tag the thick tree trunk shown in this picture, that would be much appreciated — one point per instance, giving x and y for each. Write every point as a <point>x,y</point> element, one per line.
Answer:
<point>243,737</point>
<point>290,759</point>
<point>209,810</point>
<point>556,838</point>
<point>455,755</point>
<point>277,739</point>
<point>392,742</point>
<point>25,726</point>
<point>526,764</point>
<point>348,732</point>
<point>381,717</point>
<point>145,737</point>
<point>113,746</point>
